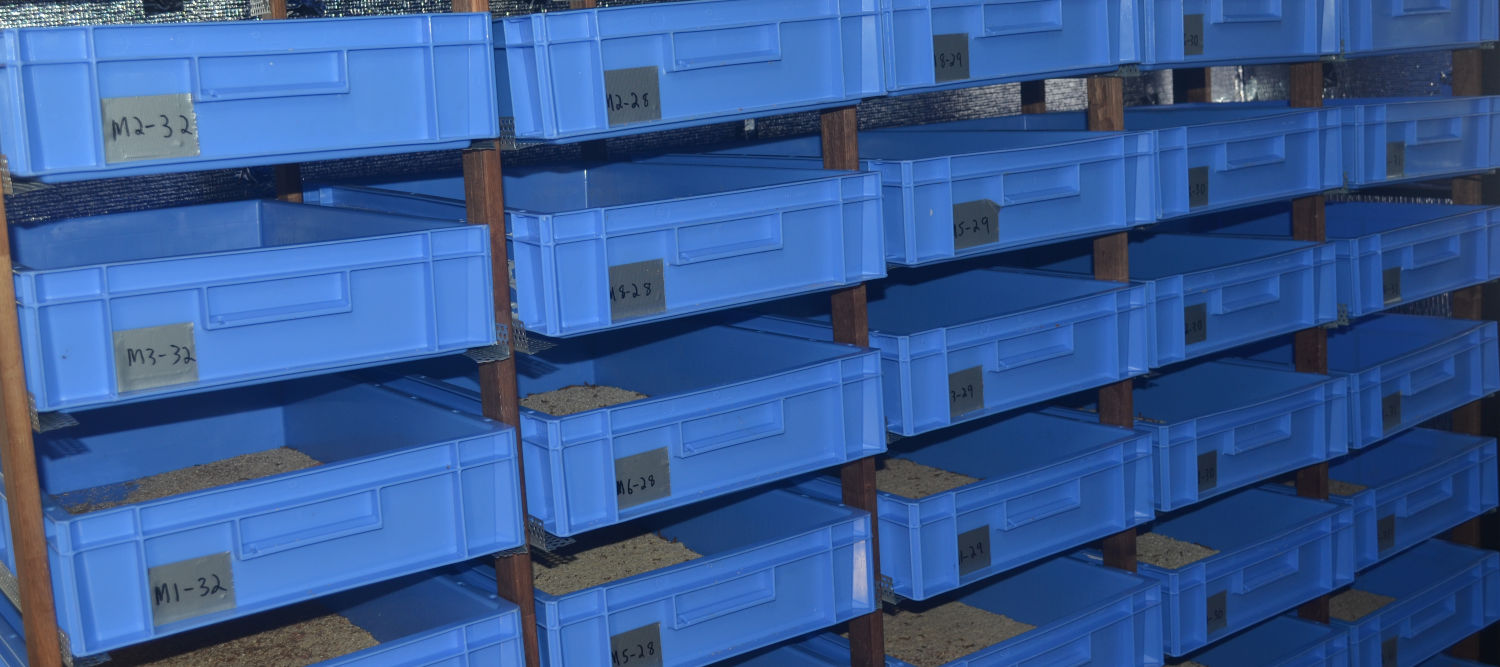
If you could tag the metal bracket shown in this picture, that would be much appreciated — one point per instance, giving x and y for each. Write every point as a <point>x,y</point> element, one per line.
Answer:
<point>1126,71</point>
<point>887,590</point>
<point>1342,321</point>
<point>500,351</point>
<point>41,422</point>
<point>540,539</point>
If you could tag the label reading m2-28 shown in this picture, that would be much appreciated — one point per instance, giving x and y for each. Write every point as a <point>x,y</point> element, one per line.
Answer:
<point>632,95</point>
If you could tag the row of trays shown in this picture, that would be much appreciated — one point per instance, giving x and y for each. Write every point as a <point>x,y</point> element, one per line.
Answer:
<point>99,101</point>
<point>124,307</point>
<point>406,476</point>
<point>795,564</point>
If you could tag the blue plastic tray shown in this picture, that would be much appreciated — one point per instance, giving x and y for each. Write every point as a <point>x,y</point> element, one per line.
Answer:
<point>1084,615</point>
<point>1417,139</point>
<point>1406,369</point>
<point>679,64</point>
<point>1443,592</point>
<point>1221,425</point>
<point>403,486</point>
<point>584,239</point>
<point>1441,660</point>
<point>1367,28</point>
<point>451,617</point>
<point>1199,33</point>
<point>131,306</point>
<point>1417,485</point>
<point>1211,293</point>
<point>1275,551</point>
<point>772,566</point>
<point>728,409</point>
<point>1207,157</point>
<point>1283,641</point>
<point>1046,484</point>
<point>1387,253</point>
<point>1021,338</point>
<point>959,194</point>
<point>102,101</point>
<point>943,44</point>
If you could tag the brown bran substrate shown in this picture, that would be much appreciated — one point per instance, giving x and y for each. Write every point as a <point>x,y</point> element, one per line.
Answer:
<point>914,480</point>
<point>610,562</point>
<point>196,478</point>
<point>578,398</point>
<point>1165,552</point>
<point>1354,604</point>
<point>248,642</point>
<point>946,632</point>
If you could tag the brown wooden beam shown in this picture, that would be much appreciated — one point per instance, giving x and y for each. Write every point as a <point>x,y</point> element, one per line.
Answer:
<point>484,193</point>
<point>1034,96</point>
<point>288,177</point>
<point>1192,85</point>
<point>23,488</point>
<point>851,325</point>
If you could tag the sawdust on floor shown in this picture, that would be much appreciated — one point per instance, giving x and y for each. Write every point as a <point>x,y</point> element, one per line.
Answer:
<point>1354,604</point>
<point>913,480</point>
<point>1167,553</point>
<point>578,398</point>
<point>292,645</point>
<point>609,562</point>
<point>196,478</point>
<point>946,632</point>
<point>1186,663</point>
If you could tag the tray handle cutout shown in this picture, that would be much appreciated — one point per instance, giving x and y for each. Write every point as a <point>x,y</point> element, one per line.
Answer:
<point>1015,17</point>
<point>280,530</point>
<point>720,47</point>
<point>727,429</point>
<point>278,300</point>
<point>1043,504</point>
<point>738,594</point>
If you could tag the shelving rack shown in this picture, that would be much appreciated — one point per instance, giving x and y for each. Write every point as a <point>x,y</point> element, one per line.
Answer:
<point>482,164</point>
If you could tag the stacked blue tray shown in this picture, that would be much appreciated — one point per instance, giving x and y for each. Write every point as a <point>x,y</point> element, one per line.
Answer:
<point>1412,487</point>
<point>596,247</point>
<point>710,423</point>
<point>462,622</point>
<point>1212,293</point>
<point>1387,253</point>
<point>1367,29</point>
<point>1415,139</point>
<point>398,486</point>
<point>120,100</point>
<point>1205,157</point>
<point>1418,604</point>
<point>1283,641</point>
<point>1078,613</point>
<point>1043,484</point>
<point>1220,425</point>
<point>594,73</point>
<point>957,194</point>
<point>1406,369</point>
<point>941,44</point>
<point>769,566</point>
<point>1263,553</point>
<point>132,306</point>
<point>1031,338</point>
<point>1202,33</point>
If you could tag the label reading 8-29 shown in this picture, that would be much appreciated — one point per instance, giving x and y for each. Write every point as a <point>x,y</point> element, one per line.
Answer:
<point>974,550</point>
<point>975,223</point>
<point>148,127</point>
<point>950,57</point>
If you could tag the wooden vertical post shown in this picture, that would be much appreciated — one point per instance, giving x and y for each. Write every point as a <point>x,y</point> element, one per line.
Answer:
<point>288,176</point>
<point>1034,96</point>
<point>1192,85</point>
<point>1310,346</point>
<point>851,325</point>
<point>22,486</point>
<point>1106,113</point>
<point>484,194</point>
